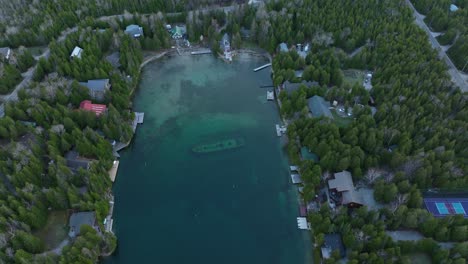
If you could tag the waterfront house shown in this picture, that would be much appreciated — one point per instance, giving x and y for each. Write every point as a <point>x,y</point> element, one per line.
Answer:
<point>97,88</point>
<point>77,220</point>
<point>319,107</point>
<point>5,53</point>
<point>226,47</point>
<point>333,242</point>
<point>76,53</point>
<point>134,30</point>
<point>342,190</point>
<point>98,109</point>
<point>178,32</point>
<point>75,162</point>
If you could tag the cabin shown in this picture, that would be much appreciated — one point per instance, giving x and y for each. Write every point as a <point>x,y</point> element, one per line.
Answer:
<point>76,53</point>
<point>5,53</point>
<point>319,107</point>
<point>97,88</point>
<point>333,242</point>
<point>134,30</point>
<point>75,162</point>
<point>98,109</point>
<point>342,190</point>
<point>79,219</point>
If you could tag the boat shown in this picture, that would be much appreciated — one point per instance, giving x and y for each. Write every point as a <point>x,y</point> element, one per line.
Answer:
<point>220,145</point>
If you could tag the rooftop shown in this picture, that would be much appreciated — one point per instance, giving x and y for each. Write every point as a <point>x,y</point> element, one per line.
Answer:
<point>290,87</point>
<point>5,52</point>
<point>332,242</point>
<point>77,51</point>
<point>98,85</point>
<point>99,109</point>
<point>74,161</point>
<point>319,107</point>
<point>283,47</point>
<point>342,182</point>
<point>134,30</point>
<point>79,219</point>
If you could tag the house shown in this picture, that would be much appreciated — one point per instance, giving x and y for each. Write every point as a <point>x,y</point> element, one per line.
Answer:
<point>77,220</point>
<point>5,53</point>
<point>342,190</point>
<point>178,32</point>
<point>332,242</point>
<point>98,109</point>
<point>75,162</point>
<point>97,88</point>
<point>319,107</point>
<point>76,53</point>
<point>134,30</point>
<point>283,47</point>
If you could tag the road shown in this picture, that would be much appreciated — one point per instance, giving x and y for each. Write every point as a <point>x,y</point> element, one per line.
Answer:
<point>452,70</point>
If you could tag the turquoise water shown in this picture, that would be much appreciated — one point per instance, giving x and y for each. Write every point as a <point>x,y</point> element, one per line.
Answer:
<point>235,206</point>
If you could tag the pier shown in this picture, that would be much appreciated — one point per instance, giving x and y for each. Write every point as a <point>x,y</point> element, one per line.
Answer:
<point>138,120</point>
<point>270,96</point>
<point>113,170</point>
<point>262,67</point>
<point>280,130</point>
<point>200,52</point>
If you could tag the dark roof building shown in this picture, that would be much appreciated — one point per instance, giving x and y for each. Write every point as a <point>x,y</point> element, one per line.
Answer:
<point>75,162</point>
<point>343,191</point>
<point>290,87</point>
<point>5,53</point>
<point>97,88</point>
<point>333,242</point>
<point>77,220</point>
<point>134,30</point>
<point>319,107</point>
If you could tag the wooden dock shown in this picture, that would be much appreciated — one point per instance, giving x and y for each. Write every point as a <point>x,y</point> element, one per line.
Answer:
<point>270,96</point>
<point>200,52</point>
<point>262,67</point>
<point>113,170</point>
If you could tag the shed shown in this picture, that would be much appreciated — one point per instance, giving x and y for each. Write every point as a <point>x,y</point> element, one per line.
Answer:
<point>76,53</point>
<point>134,30</point>
<point>77,220</point>
<point>332,242</point>
<point>453,8</point>
<point>319,107</point>
<point>283,47</point>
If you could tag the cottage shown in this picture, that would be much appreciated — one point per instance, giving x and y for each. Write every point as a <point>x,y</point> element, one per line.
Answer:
<point>79,219</point>
<point>75,162</point>
<point>5,53</point>
<point>134,30</point>
<point>76,53</point>
<point>97,88</point>
<point>98,109</point>
<point>342,190</point>
<point>332,242</point>
<point>319,107</point>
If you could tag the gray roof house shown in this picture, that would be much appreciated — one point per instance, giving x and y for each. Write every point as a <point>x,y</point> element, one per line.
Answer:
<point>75,162</point>
<point>77,220</point>
<point>319,107</point>
<point>290,87</point>
<point>134,30</point>
<point>97,88</point>
<point>5,53</point>
<point>283,47</point>
<point>76,53</point>
<point>332,242</point>
<point>343,184</point>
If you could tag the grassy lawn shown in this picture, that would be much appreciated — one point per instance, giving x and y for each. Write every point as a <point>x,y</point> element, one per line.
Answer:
<point>340,121</point>
<point>55,230</point>
<point>353,76</point>
<point>420,258</point>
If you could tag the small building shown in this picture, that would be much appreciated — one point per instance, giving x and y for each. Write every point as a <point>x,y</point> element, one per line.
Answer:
<point>296,178</point>
<point>342,190</point>
<point>178,32</point>
<point>98,109</point>
<point>283,47</point>
<point>302,223</point>
<point>75,162</point>
<point>76,53</point>
<point>5,53</point>
<point>332,242</point>
<point>77,220</point>
<point>97,88</point>
<point>319,107</point>
<point>453,8</point>
<point>134,30</point>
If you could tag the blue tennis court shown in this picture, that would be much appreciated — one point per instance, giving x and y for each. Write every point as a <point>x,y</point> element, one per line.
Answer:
<point>441,207</point>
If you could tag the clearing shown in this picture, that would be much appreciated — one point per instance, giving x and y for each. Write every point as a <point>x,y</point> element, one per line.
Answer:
<point>55,230</point>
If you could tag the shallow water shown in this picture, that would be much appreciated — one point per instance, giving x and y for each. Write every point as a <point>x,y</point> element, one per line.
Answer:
<point>234,206</point>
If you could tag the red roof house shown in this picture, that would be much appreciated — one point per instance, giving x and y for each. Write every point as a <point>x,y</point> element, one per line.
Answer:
<point>96,108</point>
